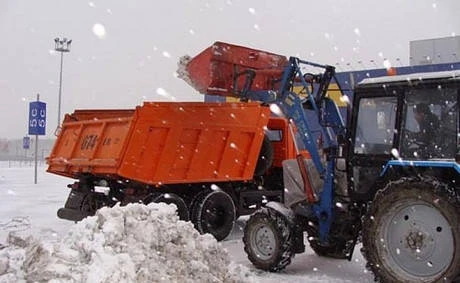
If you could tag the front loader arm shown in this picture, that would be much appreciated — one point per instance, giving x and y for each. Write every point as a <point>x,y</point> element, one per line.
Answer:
<point>328,117</point>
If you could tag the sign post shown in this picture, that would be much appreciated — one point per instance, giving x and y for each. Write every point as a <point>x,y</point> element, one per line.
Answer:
<point>25,146</point>
<point>37,124</point>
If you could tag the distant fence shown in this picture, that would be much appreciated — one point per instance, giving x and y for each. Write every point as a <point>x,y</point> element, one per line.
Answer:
<point>13,153</point>
<point>21,163</point>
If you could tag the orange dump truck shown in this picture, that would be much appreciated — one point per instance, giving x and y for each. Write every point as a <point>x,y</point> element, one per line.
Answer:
<point>214,161</point>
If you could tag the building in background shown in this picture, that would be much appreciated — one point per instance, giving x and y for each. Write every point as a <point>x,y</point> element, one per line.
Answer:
<point>434,51</point>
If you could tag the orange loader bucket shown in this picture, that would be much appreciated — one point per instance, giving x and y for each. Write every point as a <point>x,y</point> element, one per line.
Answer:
<point>222,69</point>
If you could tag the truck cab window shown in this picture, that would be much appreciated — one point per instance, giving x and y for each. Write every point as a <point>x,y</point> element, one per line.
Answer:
<point>375,128</point>
<point>274,135</point>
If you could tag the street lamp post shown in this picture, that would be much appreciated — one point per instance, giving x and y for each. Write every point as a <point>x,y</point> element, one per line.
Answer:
<point>61,45</point>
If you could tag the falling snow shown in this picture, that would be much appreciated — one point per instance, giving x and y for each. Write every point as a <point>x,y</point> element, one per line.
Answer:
<point>162,92</point>
<point>386,64</point>
<point>276,110</point>
<point>357,31</point>
<point>166,54</point>
<point>99,30</point>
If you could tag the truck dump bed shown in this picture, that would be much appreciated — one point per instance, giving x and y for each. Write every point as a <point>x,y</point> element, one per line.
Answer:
<point>162,142</point>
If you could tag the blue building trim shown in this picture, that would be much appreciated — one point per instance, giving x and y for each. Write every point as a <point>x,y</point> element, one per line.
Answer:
<point>347,80</point>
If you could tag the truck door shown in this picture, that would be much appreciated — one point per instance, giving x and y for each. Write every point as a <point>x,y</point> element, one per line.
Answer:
<point>372,140</point>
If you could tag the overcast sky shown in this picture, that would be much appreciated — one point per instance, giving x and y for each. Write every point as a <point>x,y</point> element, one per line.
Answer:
<point>136,58</point>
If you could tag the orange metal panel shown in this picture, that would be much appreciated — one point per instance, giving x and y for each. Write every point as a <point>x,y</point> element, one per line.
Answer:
<point>91,141</point>
<point>194,142</point>
<point>163,143</point>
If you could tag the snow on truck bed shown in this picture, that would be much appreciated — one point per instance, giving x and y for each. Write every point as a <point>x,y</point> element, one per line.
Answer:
<point>135,243</point>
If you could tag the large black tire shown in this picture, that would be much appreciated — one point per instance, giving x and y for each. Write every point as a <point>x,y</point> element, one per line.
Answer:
<point>182,209</point>
<point>214,212</point>
<point>336,249</point>
<point>341,239</point>
<point>411,232</point>
<point>268,240</point>
<point>265,160</point>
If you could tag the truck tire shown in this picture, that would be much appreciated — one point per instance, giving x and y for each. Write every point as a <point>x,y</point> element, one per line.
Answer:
<point>182,209</point>
<point>268,240</point>
<point>411,232</point>
<point>213,212</point>
<point>265,160</point>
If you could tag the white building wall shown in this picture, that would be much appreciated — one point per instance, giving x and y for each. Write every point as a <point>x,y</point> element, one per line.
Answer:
<point>435,51</point>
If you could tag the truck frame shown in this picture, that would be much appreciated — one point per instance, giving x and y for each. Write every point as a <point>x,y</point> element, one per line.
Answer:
<point>214,161</point>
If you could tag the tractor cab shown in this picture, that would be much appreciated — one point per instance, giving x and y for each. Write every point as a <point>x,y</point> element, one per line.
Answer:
<point>407,117</point>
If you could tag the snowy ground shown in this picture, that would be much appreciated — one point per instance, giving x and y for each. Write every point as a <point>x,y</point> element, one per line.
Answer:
<point>31,208</point>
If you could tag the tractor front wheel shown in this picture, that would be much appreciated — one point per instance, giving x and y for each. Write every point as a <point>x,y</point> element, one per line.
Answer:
<point>411,232</point>
<point>268,240</point>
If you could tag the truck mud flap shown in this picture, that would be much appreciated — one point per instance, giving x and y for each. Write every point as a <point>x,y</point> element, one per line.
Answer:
<point>72,209</point>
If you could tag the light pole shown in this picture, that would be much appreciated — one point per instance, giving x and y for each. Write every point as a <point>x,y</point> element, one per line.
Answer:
<point>61,45</point>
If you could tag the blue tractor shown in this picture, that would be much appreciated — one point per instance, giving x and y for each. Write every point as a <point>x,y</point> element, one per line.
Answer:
<point>388,178</point>
<point>384,173</point>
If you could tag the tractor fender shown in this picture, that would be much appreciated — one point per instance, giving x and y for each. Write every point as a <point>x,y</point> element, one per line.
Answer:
<point>283,210</point>
<point>420,164</point>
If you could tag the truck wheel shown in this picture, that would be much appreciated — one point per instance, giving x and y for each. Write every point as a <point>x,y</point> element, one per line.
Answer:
<point>265,157</point>
<point>411,232</point>
<point>213,212</point>
<point>268,240</point>
<point>182,209</point>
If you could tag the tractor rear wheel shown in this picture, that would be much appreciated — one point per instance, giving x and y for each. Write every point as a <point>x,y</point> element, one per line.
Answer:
<point>411,232</point>
<point>213,212</point>
<point>268,240</point>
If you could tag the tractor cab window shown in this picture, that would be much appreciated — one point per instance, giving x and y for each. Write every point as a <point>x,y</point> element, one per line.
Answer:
<point>429,127</point>
<point>375,127</point>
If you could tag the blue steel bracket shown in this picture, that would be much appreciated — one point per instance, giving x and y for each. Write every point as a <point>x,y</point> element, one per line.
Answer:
<point>323,210</point>
<point>291,106</point>
<point>327,115</point>
<point>331,117</point>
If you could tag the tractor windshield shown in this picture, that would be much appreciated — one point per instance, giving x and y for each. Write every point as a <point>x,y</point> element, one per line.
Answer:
<point>375,127</point>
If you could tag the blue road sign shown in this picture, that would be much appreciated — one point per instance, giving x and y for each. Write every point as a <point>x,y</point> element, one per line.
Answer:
<point>26,142</point>
<point>37,118</point>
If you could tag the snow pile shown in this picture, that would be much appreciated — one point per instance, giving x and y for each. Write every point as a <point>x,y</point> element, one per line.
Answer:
<point>182,73</point>
<point>135,243</point>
